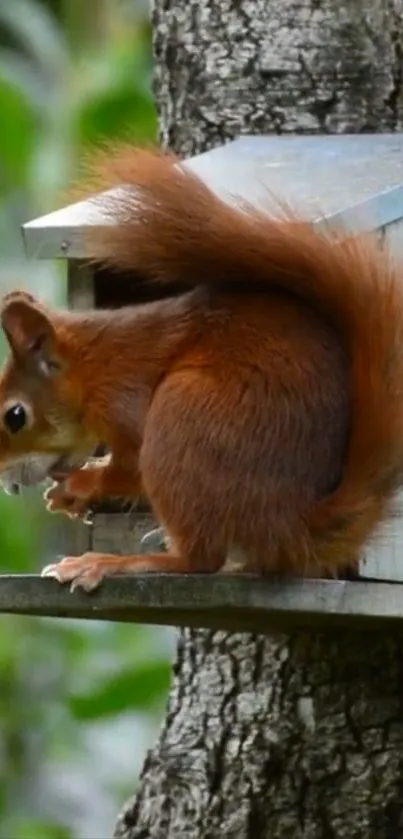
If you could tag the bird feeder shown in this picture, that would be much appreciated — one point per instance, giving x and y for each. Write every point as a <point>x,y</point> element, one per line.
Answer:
<point>355,181</point>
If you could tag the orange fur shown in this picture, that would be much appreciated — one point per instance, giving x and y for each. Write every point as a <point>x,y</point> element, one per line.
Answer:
<point>260,411</point>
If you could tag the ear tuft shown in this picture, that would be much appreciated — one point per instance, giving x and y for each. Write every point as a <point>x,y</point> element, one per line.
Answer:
<point>26,326</point>
<point>18,296</point>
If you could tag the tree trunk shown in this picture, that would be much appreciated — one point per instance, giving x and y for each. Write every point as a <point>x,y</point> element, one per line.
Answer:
<point>288,737</point>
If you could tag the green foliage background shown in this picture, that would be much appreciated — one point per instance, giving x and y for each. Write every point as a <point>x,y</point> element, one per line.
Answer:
<point>78,702</point>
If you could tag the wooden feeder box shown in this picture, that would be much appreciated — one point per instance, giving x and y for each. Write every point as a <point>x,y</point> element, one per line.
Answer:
<point>356,181</point>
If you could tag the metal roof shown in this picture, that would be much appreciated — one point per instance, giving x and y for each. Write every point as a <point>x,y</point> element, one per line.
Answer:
<point>356,180</point>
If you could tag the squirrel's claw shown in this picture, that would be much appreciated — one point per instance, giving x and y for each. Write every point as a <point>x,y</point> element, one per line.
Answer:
<point>84,571</point>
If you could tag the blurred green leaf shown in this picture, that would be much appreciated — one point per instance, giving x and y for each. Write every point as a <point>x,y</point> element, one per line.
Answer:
<point>18,537</point>
<point>32,829</point>
<point>125,114</point>
<point>38,32</point>
<point>17,72</point>
<point>137,689</point>
<point>17,120</point>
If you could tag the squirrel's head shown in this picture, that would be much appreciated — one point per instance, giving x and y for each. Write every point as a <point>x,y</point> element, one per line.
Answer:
<point>40,414</point>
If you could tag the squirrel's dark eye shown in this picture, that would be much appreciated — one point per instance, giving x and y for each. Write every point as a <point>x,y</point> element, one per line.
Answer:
<point>15,418</point>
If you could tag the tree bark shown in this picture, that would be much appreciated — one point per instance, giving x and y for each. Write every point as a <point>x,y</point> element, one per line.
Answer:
<point>288,737</point>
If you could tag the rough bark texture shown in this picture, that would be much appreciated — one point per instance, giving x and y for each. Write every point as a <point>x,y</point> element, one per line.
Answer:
<point>226,67</point>
<point>282,738</point>
<point>297,738</point>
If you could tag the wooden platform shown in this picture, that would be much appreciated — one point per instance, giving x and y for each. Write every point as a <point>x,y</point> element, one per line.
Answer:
<point>234,603</point>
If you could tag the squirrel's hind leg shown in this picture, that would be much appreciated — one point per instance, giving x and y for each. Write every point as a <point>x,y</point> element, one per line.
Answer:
<point>88,570</point>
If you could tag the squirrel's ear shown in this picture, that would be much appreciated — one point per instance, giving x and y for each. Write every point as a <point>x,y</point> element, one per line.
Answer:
<point>29,331</point>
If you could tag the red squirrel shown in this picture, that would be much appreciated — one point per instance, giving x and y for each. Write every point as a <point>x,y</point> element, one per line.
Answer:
<point>259,411</point>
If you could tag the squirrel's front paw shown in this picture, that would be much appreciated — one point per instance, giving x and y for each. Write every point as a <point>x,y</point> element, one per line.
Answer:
<point>59,501</point>
<point>73,496</point>
<point>86,571</point>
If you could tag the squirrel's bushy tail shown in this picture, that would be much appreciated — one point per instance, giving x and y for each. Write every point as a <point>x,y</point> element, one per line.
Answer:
<point>169,227</point>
